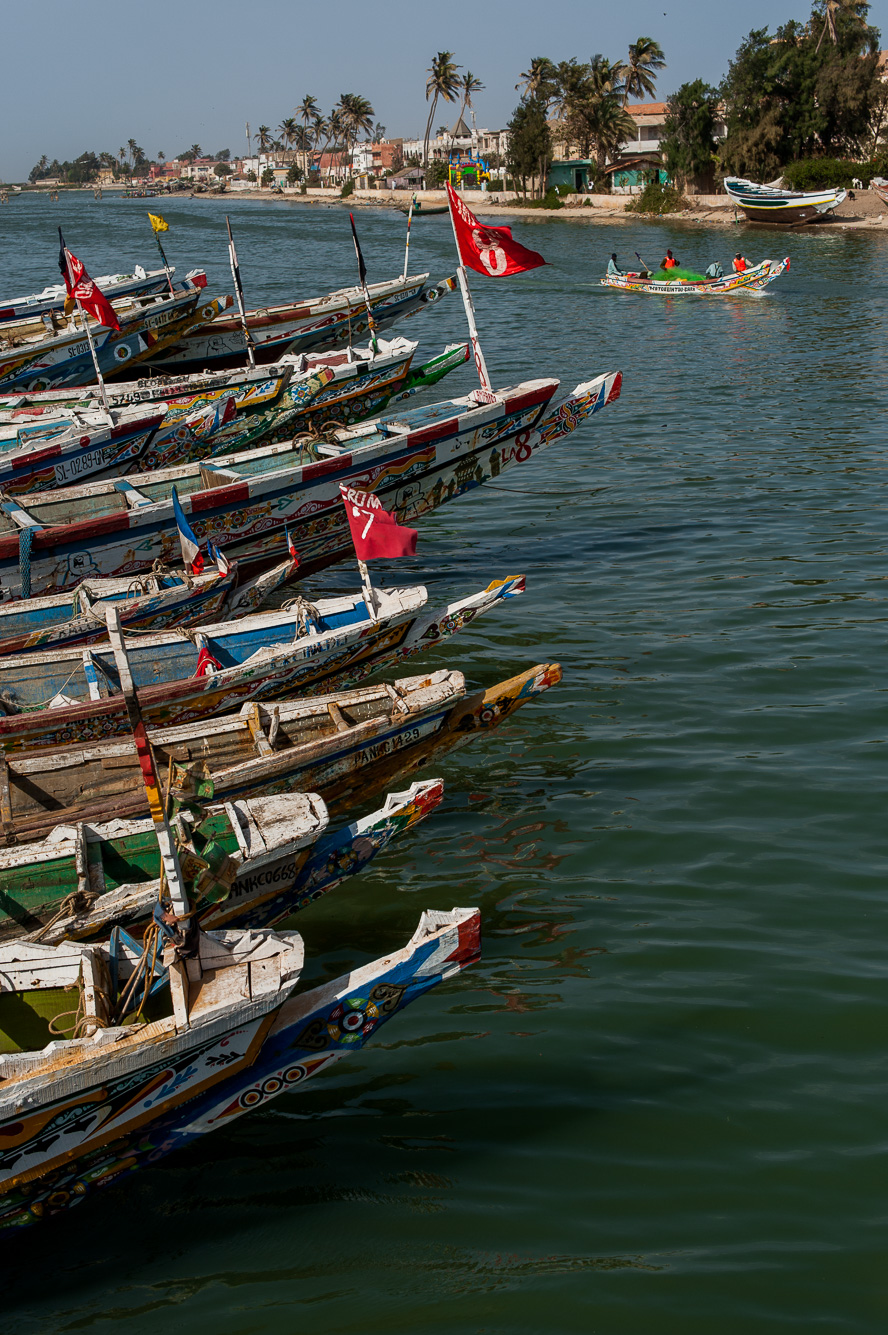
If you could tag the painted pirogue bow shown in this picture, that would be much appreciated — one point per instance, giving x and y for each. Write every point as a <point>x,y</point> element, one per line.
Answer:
<point>751,280</point>
<point>339,642</point>
<point>86,1110</point>
<point>53,298</point>
<point>302,326</point>
<point>346,746</point>
<point>266,859</point>
<point>413,462</point>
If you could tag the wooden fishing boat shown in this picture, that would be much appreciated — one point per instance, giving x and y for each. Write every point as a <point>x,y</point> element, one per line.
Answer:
<point>771,204</point>
<point>751,280</point>
<point>266,858</point>
<point>423,210</point>
<point>71,695</point>
<point>136,284</point>
<point>144,1090</point>
<point>58,452</point>
<point>245,504</point>
<point>341,387</point>
<point>301,326</point>
<point>251,387</point>
<point>156,601</point>
<point>361,383</point>
<point>31,361</point>
<point>346,746</point>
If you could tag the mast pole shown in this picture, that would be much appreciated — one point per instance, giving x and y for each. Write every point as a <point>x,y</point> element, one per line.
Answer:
<point>409,220</point>
<point>239,291</point>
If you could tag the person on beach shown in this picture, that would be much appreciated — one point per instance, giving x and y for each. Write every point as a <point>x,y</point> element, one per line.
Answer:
<point>739,263</point>
<point>612,266</point>
<point>670,262</point>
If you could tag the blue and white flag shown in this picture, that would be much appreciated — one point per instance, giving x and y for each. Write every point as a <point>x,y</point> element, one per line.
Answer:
<point>191,552</point>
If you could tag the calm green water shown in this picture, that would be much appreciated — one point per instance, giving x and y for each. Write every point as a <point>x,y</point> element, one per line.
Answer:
<point>660,1102</point>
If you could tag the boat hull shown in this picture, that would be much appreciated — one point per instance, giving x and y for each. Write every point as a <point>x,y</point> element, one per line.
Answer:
<point>751,280</point>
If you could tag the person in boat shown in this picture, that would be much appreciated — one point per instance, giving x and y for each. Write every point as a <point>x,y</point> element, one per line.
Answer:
<point>612,266</point>
<point>670,262</point>
<point>715,270</point>
<point>739,263</point>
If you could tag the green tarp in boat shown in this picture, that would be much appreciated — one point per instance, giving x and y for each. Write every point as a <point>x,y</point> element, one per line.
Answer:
<point>671,275</point>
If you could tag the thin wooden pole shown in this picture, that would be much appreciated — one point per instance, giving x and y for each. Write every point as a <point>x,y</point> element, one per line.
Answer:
<point>480,363</point>
<point>409,220</point>
<point>239,291</point>
<point>172,871</point>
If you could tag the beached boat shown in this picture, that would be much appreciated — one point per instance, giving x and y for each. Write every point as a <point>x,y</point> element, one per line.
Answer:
<point>771,204</point>
<point>413,462</point>
<point>72,695</point>
<point>696,285</point>
<point>138,283</point>
<point>30,361</point>
<point>157,601</point>
<point>301,326</point>
<point>144,1090</point>
<point>347,746</point>
<point>266,858</point>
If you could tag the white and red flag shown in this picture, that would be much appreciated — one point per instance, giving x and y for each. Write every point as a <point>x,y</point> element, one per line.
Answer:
<point>488,250</point>
<point>375,533</point>
<point>81,288</point>
<point>191,553</point>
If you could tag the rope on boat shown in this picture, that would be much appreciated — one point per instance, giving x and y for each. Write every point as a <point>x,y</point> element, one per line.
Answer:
<point>79,901</point>
<point>306,612</point>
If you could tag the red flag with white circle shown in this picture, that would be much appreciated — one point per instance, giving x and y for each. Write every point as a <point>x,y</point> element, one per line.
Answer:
<point>488,250</point>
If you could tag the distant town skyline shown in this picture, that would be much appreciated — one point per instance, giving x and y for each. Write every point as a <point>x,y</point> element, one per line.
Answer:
<point>172,75</point>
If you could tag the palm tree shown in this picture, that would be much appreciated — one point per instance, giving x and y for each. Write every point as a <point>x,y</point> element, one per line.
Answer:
<point>640,72</point>
<point>831,8</point>
<point>378,133</point>
<point>161,156</point>
<point>356,115</point>
<point>332,128</point>
<point>307,111</point>
<point>469,85</point>
<point>196,151</point>
<point>288,129</point>
<point>263,134</point>
<point>541,72</point>
<point>443,81</point>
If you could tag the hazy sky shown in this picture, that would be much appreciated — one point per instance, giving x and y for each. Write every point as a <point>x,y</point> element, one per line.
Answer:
<point>173,72</point>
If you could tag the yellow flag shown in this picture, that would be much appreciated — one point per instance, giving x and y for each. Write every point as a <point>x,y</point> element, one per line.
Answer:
<point>158,223</point>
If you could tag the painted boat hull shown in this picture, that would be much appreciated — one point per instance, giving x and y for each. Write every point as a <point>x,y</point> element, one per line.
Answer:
<point>379,747</point>
<point>66,359</point>
<point>112,285</point>
<point>332,322</point>
<point>310,664</point>
<point>786,208</point>
<point>461,447</point>
<point>310,1032</point>
<point>751,280</point>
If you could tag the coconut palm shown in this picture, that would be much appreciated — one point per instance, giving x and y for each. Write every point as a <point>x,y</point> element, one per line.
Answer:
<point>443,81</point>
<point>378,133</point>
<point>469,86</point>
<point>831,9</point>
<point>161,156</point>
<point>308,112</point>
<point>645,61</point>
<point>263,134</point>
<point>540,72</point>
<point>288,129</point>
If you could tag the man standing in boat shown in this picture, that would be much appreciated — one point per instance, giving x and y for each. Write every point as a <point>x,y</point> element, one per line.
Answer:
<point>739,263</point>
<point>670,262</point>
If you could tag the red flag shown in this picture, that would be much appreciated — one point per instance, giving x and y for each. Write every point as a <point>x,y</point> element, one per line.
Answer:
<point>488,250</point>
<point>82,289</point>
<point>375,533</point>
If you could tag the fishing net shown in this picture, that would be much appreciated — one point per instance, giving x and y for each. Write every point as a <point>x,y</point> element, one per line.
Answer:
<point>671,276</point>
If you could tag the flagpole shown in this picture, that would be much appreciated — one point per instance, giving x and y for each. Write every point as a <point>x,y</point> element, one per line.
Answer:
<point>480,364</point>
<point>369,591</point>
<point>166,265</point>
<point>362,273</point>
<point>86,328</point>
<point>409,220</point>
<point>168,855</point>
<point>235,273</point>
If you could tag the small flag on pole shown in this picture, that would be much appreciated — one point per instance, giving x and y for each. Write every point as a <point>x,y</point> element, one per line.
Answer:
<point>375,533</point>
<point>81,288</point>
<point>158,223</point>
<point>291,547</point>
<point>190,546</point>
<point>488,250</point>
<point>222,562</point>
